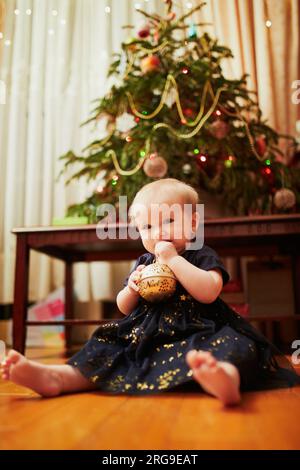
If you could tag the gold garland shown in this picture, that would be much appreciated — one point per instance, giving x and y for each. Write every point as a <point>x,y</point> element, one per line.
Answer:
<point>117,166</point>
<point>199,121</point>
<point>170,84</point>
<point>103,141</point>
<point>199,125</point>
<point>158,48</point>
<point>249,135</point>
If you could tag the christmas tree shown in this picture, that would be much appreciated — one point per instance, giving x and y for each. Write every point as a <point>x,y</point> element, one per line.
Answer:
<point>174,114</point>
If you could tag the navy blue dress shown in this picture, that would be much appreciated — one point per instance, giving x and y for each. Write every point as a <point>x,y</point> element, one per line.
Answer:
<point>144,352</point>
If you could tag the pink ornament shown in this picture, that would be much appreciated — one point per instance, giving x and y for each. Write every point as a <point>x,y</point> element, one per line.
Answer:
<point>156,36</point>
<point>155,167</point>
<point>219,129</point>
<point>284,199</point>
<point>171,16</point>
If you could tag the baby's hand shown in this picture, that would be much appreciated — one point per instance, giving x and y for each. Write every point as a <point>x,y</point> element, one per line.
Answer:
<point>134,279</point>
<point>165,251</point>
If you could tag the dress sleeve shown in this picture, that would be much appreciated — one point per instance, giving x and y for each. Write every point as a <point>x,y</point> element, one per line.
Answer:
<point>141,260</point>
<point>208,259</point>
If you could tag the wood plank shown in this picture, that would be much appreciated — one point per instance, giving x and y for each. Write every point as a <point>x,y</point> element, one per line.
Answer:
<point>264,420</point>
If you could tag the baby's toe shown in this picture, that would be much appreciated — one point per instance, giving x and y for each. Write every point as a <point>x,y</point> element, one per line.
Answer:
<point>211,361</point>
<point>196,358</point>
<point>4,375</point>
<point>193,359</point>
<point>201,372</point>
<point>13,356</point>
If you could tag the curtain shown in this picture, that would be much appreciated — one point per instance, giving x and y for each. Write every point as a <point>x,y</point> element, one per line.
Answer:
<point>53,60</point>
<point>270,55</point>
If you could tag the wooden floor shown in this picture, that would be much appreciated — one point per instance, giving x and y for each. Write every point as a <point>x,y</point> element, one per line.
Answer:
<point>265,420</point>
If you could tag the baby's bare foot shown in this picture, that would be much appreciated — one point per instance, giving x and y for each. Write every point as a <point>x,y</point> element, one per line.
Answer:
<point>220,379</point>
<point>38,377</point>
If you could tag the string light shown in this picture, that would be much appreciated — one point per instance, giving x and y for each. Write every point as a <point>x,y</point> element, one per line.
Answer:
<point>268,22</point>
<point>28,12</point>
<point>51,31</point>
<point>128,138</point>
<point>17,11</point>
<point>189,5</point>
<point>54,12</point>
<point>7,42</point>
<point>142,153</point>
<point>137,6</point>
<point>196,151</point>
<point>268,162</point>
<point>107,9</point>
<point>203,158</point>
<point>63,21</point>
<point>114,180</point>
<point>218,112</point>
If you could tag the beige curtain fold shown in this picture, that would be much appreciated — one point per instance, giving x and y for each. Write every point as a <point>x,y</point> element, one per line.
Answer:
<point>270,56</point>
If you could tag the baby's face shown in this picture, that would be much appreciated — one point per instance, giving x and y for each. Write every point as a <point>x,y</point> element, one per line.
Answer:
<point>165,221</point>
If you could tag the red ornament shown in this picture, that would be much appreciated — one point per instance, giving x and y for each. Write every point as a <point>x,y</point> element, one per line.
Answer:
<point>150,63</point>
<point>188,112</point>
<point>261,145</point>
<point>144,30</point>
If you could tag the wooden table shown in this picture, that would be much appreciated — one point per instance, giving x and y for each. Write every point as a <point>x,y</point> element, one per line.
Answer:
<point>237,236</point>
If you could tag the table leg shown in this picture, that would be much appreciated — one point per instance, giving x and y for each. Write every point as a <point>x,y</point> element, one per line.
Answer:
<point>68,302</point>
<point>296,286</point>
<point>296,281</point>
<point>20,294</point>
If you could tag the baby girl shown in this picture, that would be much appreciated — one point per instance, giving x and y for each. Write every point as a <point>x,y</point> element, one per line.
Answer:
<point>190,341</point>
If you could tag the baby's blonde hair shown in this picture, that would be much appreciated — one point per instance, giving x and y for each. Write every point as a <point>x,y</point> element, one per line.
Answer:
<point>165,187</point>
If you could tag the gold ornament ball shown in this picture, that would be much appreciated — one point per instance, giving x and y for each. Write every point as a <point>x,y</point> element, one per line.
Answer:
<point>284,199</point>
<point>155,167</point>
<point>157,282</point>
